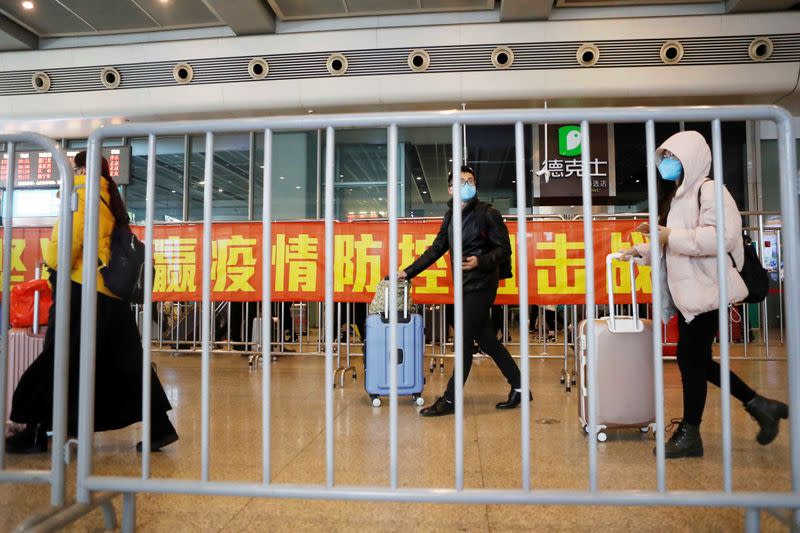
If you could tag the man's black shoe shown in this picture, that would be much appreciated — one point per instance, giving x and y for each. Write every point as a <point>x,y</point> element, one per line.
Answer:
<point>440,407</point>
<point>159,442</point>
<point>514,399</point>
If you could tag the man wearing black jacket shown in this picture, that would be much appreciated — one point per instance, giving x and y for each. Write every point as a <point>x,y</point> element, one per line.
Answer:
<point>485,246</point>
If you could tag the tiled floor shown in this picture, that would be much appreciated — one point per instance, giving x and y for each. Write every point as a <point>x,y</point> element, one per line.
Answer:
<point>491,455</point>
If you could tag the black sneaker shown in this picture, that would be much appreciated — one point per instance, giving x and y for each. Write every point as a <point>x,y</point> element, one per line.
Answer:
<point>440,407</point>
<point>32,439</point>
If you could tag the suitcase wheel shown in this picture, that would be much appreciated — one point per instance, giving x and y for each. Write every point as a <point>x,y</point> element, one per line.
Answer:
<point>419,400</point>
<point>602,437</point>
<point>645,429</point>
<point>376,401</point>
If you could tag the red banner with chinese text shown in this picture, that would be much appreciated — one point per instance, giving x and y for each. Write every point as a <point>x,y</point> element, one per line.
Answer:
<point>556,264</point>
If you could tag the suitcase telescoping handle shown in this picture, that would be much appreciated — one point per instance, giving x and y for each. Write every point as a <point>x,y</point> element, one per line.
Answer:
<point>386,300</point>
<point>36,275</point>
<point>626,325</point>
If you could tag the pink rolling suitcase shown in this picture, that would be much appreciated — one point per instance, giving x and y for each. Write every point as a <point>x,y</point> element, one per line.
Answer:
<point>625,381</point>
<point>24,346</point>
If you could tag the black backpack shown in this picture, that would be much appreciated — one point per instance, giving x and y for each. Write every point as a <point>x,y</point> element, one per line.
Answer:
<point>124,273</point>
<point>480,212</point>
<point>753,273</point>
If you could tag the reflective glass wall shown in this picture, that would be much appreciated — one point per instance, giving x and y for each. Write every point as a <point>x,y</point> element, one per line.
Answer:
<point>360,172</point>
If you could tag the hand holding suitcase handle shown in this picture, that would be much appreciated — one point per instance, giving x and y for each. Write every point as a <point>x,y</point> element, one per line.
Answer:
<point>637,324</point>
<point>404,283</point>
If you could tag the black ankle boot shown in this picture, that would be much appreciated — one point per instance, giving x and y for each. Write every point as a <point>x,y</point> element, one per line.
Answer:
<point>768,414</point>
<point>514,399</point>
<point>685,442</point>
<point>32,439</point>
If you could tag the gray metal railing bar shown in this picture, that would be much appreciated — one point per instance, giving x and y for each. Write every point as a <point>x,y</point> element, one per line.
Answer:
<point>208,194</point>
<point>8,228</point>
<point>522,283</point>
<point>688,498</point>
<point>787,159</point>
<point>458,296</point>
<point>722,276</point>
<point>88,321</point>
<point>448,118</point>
<point>591,347</point>
<point>69,514</point>
<point>391,200</point>
<point>329,429</point>
<point>34,477</point>
<point>147,343</point>
<point>655,263</point>
<point>266,303</point>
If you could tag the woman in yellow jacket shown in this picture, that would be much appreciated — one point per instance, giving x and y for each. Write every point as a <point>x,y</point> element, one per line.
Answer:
<point>118,383</point>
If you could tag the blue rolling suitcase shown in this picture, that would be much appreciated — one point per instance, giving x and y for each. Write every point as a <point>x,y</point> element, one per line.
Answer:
<point>410,350</point>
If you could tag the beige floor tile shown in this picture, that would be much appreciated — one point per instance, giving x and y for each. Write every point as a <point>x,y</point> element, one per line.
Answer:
<point>492,454</point>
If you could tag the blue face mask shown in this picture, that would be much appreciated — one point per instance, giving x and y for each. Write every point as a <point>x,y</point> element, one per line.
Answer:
<point>468,192</point>
<point>670,169</point>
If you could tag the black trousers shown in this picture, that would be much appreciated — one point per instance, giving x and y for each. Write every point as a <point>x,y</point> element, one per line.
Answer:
<point>479,327</point>
<point>698,367</point>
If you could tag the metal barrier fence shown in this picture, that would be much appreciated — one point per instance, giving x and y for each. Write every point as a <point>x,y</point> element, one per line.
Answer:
<point>55,477</point>
<point>88,483</point>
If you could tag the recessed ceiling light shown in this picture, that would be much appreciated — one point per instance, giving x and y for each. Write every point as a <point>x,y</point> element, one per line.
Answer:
<point>282,177</point>
<point>297,187</point>
<point>201,182</point>
<point>219,190</point>
<point>380,199</point>
<point>173,192</point>
<point>27,5</point>
<point>419,178</point>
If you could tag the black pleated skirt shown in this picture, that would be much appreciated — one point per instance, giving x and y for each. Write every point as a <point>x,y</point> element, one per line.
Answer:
<point>118,370</point>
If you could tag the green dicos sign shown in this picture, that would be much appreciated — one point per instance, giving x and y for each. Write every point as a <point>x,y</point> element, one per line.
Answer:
<point>569,140</point>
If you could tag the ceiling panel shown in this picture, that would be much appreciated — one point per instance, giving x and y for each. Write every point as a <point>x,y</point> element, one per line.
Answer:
<point>179,12</point>
<point>289,9</point>
<point>381,6</point>
<point>307,8</point>
<point>113,15</point>
<point>457,5</point>
<point>47,17</point>
<point>617,3</point>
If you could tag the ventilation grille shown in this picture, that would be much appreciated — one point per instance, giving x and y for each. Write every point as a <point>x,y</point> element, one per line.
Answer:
<point>392,61</point>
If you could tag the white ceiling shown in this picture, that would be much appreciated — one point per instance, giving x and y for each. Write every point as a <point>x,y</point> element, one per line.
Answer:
<point>22,29</point>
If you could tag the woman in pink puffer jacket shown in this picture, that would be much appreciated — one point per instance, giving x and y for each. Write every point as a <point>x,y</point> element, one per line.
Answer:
<point>688,236</point>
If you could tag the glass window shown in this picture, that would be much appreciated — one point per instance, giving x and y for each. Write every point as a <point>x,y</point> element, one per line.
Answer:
<point>294,175</point>
<point>169,179</point>
<point>231,176</point>
<point>631,160</point>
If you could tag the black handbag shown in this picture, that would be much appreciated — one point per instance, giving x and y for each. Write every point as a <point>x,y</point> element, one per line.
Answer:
<point>753,273</point>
